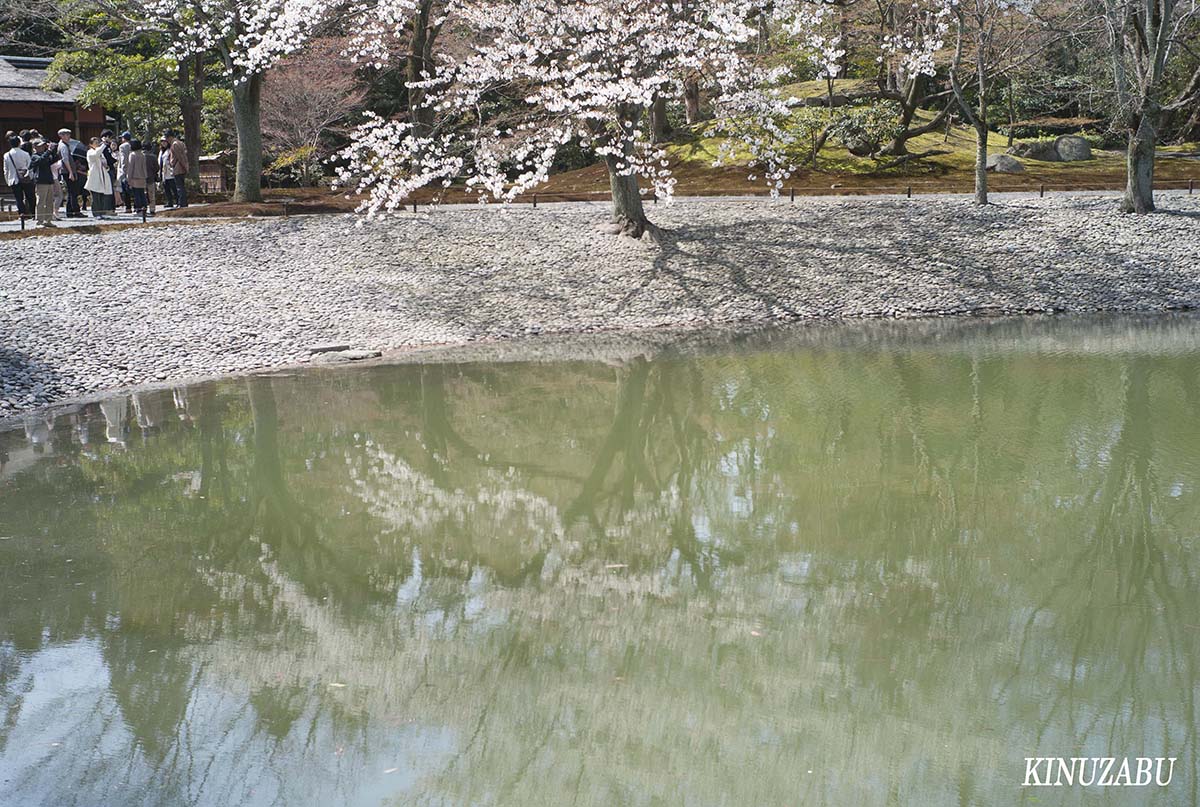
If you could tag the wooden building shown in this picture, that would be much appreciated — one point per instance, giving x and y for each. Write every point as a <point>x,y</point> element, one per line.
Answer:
<point>26,104</point>
<point>215,173</point>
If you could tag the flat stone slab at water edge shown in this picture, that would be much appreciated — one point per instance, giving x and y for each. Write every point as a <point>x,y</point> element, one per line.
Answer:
<point>339,356</point>
<point>328,347</point>
<point>81,314</point>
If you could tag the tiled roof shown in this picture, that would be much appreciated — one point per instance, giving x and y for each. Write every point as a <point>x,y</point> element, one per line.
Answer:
<point>21,80</point>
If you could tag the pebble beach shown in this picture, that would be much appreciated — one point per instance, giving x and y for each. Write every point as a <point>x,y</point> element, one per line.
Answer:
<point>84,314</point>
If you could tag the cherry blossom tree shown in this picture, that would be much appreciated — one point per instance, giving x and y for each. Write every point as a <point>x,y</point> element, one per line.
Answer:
<point>563,71</point>
<point>908,36</point>
<point>249,36</point>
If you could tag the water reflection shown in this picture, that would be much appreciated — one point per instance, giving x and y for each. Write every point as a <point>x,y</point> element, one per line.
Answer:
<point>824,569</point>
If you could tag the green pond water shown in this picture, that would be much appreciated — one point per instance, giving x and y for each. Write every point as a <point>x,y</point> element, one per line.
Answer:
<point>861,565</point>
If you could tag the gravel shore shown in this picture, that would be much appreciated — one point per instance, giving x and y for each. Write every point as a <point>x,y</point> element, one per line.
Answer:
<point>80,314</point>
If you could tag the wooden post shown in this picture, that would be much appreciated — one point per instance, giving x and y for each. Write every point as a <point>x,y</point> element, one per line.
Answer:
<point>535,201</point>
<point>910,191</point>
<point>22,221</point>
<point>1042,191</point>
<point>793,194</point>
<point>1191,186</point>
<point>414,205</point>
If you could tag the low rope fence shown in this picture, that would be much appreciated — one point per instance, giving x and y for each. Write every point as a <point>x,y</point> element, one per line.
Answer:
<point>292,205</point>
<point>791,192</point>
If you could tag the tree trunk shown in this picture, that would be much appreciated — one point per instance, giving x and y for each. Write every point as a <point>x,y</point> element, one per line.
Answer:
<point>981,126</point>
<point>419,52</point>
<point>628,215</point>
<point>1139,164</point>
<point>660,130</point>
<point>981,163</point>
<point>908,109</point>
<point>247,118</point>
<point>1012,113</point>
<point>691,99</point>
<point>191,102</point>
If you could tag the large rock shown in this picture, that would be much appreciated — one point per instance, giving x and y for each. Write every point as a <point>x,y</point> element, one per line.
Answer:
<point>1045,150</point>
<point>1072,148</point>
<point>862,148</point>
<point>1003,164</point>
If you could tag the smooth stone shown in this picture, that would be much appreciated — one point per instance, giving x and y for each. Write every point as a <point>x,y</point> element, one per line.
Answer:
<point>1003,164</point>
<point>340,356</point>
<point>328,347</point>
<point>1073,148</point>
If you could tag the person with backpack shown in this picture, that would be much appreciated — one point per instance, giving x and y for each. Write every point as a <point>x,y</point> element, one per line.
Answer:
<point>73,157</point>
<point>18,176</point>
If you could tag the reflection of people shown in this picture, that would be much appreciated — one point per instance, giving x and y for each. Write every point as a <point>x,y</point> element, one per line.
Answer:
<point>37,432</point>
<point>148,410</point>
<point>116,413</point>
<point>82,430</point>
<point>181,403</point>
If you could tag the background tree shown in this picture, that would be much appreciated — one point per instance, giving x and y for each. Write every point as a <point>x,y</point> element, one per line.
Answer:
<point>1146,38</point>
<point>996,35</point>
<point>305,98</point>
<point>140,90</point>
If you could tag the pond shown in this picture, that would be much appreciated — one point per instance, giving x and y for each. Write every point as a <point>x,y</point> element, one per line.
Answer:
<point>846,565</point>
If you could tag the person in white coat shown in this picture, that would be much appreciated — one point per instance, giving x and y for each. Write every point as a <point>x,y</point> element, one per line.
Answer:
<point>99,183</point>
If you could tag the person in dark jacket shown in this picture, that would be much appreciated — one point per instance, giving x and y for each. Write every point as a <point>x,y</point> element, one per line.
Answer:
<point>110,159</point>
<point>73,156</point>
<point>42,166</point>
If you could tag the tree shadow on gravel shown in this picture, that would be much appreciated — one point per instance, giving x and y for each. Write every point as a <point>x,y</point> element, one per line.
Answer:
<point>22,380</point>
<point>838,262</point>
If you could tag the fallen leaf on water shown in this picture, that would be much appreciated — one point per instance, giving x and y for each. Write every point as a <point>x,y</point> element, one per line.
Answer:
<point>755,633</point>
<point>616,566</point>
<point>391,770</point>
<point>337,686</point>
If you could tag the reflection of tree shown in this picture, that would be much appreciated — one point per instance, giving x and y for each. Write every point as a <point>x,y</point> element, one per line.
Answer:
<point>553,574</point>
<point>1119,599</point>
<point>626,438</point>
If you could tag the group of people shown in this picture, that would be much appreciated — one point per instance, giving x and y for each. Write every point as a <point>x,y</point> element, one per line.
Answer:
<point>102,176</point>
